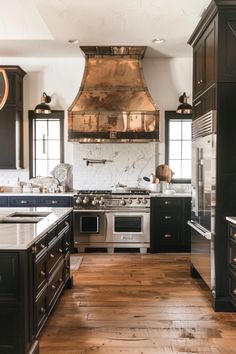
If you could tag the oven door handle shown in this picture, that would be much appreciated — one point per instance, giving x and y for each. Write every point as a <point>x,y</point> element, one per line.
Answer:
<point>200,229</point>
<point>82,211</point>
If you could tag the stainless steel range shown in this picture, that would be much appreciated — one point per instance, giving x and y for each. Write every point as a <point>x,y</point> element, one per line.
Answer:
<point>112,219</point>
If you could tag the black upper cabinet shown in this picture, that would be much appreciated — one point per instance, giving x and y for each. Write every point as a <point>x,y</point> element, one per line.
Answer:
<point>204,54</point>
<point>11,121</point>
<point>214,58</point>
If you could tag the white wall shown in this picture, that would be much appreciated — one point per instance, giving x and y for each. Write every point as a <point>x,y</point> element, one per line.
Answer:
<point>60,78</point>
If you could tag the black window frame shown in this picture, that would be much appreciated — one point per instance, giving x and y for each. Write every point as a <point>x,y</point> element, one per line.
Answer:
<point>55,114</point>
<point>168,116</point>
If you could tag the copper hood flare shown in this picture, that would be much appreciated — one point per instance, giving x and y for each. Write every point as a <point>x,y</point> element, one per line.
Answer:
<point>113,103</point>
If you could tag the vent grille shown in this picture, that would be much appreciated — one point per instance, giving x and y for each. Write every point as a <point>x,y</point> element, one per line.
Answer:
<point>204,125</point>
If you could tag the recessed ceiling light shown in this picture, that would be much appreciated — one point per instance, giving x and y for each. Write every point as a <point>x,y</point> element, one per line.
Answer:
<point>158,40</point>
<point>73,41</point>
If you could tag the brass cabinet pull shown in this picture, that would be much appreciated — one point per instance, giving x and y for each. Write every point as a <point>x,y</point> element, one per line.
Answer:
<point>42,310</point>
<point>53,286</point>
<point>42,273</point>
<point>167,202</point>
<point>60,280</point>
<point>42,246</point>
<point>52,255</point>
<point>60,250</point>
<point>67,243</point>
<point>168,236</point>
<point>167,217</point>
<point>54,202</point>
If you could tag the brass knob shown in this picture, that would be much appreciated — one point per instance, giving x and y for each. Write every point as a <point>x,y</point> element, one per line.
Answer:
<point>42,310</point>
<point>60,250</point>
<point>52,255</point>
<point>234,259</point>
<point>42,273</point>
<point>53,286</point>
<point>60,280</point>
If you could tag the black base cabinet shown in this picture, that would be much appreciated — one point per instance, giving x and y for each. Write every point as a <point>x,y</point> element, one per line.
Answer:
<point>30,283</point>
<point>169,231</point>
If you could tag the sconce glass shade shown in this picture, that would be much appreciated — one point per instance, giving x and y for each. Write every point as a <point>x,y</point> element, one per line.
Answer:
<point>184,107</point>
<point>43,107</point>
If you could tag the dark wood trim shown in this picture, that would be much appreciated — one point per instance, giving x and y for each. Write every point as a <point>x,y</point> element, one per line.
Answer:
<point>54,115</point>
<point>173,115</point>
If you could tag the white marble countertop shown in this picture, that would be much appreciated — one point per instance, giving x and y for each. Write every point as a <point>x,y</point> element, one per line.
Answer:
<point>61,194</point>
<point>231,219</point>
<point>156,194</point>
<point>20,236</point>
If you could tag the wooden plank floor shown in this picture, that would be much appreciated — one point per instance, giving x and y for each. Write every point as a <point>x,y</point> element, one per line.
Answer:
<point>137,304</point>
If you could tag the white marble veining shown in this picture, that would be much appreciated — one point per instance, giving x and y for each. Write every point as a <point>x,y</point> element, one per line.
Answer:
<point>21,236</point>
<point>129,163</point>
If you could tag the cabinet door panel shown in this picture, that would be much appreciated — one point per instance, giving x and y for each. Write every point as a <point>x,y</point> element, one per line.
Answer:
<point>23,201</point>
<point>55,201</point>
<point>9,277</point>
<point>210,58</point>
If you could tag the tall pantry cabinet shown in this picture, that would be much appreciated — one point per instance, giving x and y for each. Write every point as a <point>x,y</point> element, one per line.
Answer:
<point>214,88</point>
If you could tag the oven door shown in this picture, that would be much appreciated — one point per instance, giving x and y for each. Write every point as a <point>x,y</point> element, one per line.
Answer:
<point>89,226</point>
<point>130,227</point>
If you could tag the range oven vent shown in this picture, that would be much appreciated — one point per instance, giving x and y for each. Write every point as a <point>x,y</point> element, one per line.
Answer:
<point>113,103</point>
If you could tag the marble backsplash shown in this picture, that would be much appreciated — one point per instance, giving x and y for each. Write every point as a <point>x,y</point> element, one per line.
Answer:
<point>127,164</point>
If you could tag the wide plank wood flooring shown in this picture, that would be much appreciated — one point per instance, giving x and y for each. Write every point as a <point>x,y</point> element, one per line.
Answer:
<point>131,303</point>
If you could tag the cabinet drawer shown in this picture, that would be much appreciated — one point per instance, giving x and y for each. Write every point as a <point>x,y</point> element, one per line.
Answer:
<point>55,254</point>
<point>167,202</point>
<point>52,235</point>
<point>40,247</point>
<point>40,274</point>
<point>63,226</point>
<point>169,217</point>
<point>232,232</point>
<point>55,201</point>
<point>169,236</point>
<point>23,201</point>
<point>40,311</point>
<point>3,202</point>
<point>232,254</point>
<point>55,285</point>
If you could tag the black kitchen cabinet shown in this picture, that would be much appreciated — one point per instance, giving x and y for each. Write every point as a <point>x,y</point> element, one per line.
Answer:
<point>168,224</point>
<point>55,201</point>
<point>30,283</point>
<point>220,17</point>
<point>11,121</point>
<point>204,55</point>
<point>35,201</point>
<point>23,201</point>
<point>232,263</point>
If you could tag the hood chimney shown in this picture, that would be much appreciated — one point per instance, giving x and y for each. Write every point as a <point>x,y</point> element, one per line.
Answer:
<point>113,103</point>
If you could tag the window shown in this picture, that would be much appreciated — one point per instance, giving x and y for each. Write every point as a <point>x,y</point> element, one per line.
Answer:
<point>46,142</point>
<point>178,146</point>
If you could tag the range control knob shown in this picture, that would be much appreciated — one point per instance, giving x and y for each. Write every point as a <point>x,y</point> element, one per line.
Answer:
<point>138,201</point>
<point>144,201</point>
<point>101,201</point>
<point>78,200</point>
<point>94,201</point>
<point>129,201</point>
<point>85,200</point>
<point>122,202</point>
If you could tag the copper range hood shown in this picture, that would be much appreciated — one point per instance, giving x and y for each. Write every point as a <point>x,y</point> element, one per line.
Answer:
<point>113,103</point>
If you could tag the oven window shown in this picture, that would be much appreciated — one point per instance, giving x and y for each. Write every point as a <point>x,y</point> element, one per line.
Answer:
<point>89,224</point>
<point>128,224</point>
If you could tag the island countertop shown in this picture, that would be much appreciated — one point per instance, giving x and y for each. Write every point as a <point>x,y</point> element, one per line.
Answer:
<point>231,219</point>
<point>20,236</point>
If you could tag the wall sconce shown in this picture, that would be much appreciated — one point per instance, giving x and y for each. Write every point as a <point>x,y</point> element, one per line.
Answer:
<point>43,107</point>
<point>184,107</point>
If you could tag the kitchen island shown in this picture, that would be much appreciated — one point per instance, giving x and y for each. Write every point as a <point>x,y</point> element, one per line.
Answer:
<point>34,269</point>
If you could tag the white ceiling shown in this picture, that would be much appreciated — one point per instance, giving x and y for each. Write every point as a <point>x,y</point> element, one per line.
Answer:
<point>42,28</point>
